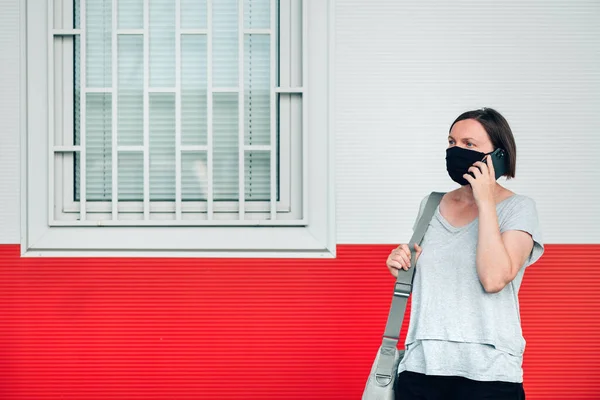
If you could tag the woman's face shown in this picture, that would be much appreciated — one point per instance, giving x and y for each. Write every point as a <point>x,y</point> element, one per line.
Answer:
<point>469,134</point>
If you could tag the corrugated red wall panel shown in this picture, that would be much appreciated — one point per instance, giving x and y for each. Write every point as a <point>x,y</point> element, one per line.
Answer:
<point>254,329</point>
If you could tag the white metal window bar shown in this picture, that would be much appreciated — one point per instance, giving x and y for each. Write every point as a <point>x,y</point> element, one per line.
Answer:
<point>177,212</point>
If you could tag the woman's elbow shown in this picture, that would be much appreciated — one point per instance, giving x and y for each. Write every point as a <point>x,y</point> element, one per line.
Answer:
<point>493,285</point>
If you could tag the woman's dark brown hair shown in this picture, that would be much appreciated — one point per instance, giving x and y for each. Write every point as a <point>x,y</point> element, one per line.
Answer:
<point>499,132</point>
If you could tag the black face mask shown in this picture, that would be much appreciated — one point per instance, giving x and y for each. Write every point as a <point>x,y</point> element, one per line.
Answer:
<point>458,162</point>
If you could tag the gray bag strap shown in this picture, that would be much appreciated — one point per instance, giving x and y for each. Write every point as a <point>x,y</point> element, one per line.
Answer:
<point>385,365</point>
<point>403,286</point>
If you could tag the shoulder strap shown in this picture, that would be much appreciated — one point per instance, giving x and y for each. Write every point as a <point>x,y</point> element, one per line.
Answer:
<point>403,286</point>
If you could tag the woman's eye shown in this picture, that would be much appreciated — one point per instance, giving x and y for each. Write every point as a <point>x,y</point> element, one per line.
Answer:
<point>469,144</point>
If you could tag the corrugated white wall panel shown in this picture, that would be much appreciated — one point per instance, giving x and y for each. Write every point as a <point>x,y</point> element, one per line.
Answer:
<point>9,121</point>
<point>404,71</point>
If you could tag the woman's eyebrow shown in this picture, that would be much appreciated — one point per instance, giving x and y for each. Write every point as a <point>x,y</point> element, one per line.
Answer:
<point>463,139</point>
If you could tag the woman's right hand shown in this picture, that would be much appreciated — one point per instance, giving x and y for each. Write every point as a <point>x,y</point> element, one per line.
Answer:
<point>400,258</point>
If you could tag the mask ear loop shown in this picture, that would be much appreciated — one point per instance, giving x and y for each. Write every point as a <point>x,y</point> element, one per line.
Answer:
<point>500,154</point>
<point>484,159</point>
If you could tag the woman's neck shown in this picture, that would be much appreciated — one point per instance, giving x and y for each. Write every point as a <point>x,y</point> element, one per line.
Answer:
<point>465,194</point>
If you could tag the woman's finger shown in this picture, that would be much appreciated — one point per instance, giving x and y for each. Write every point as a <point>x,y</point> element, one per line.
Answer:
<point>405,259</point>
<point>469,178</point>
<point>395,264</point>
<point>490,165</point>
<point>405,249</point>
<point>484,167</point>
<point>418,249</point>
<point>400,262</point>
<point>476,169</point>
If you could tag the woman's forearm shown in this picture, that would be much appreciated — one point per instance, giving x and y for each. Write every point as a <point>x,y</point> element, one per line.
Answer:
<point>493,261</point>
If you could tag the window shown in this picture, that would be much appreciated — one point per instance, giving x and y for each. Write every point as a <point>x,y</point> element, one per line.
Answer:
<point>179,127</point>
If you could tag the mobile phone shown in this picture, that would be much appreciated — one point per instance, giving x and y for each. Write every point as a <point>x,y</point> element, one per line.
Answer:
<point>499,160</point>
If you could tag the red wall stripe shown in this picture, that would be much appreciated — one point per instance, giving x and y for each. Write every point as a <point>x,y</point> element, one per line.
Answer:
<point>255,329</point>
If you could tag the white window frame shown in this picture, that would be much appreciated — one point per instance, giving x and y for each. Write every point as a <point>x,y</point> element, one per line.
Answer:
<point>313,236</point>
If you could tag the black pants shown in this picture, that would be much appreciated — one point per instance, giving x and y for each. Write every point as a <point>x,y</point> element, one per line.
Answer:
<point>414,386</point>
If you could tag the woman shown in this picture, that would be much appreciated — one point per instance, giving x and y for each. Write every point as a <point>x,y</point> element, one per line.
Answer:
<point>464,339</point>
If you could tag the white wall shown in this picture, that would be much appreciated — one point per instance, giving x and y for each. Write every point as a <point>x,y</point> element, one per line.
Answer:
<point>403,73</point>
<point>9,122</point>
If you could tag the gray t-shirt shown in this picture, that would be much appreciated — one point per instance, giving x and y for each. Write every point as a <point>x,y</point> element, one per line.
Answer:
<point>456,327</point>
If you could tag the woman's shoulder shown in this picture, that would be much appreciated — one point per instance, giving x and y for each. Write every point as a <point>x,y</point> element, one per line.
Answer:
<point>518,210</point>
<point>517,200</point>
